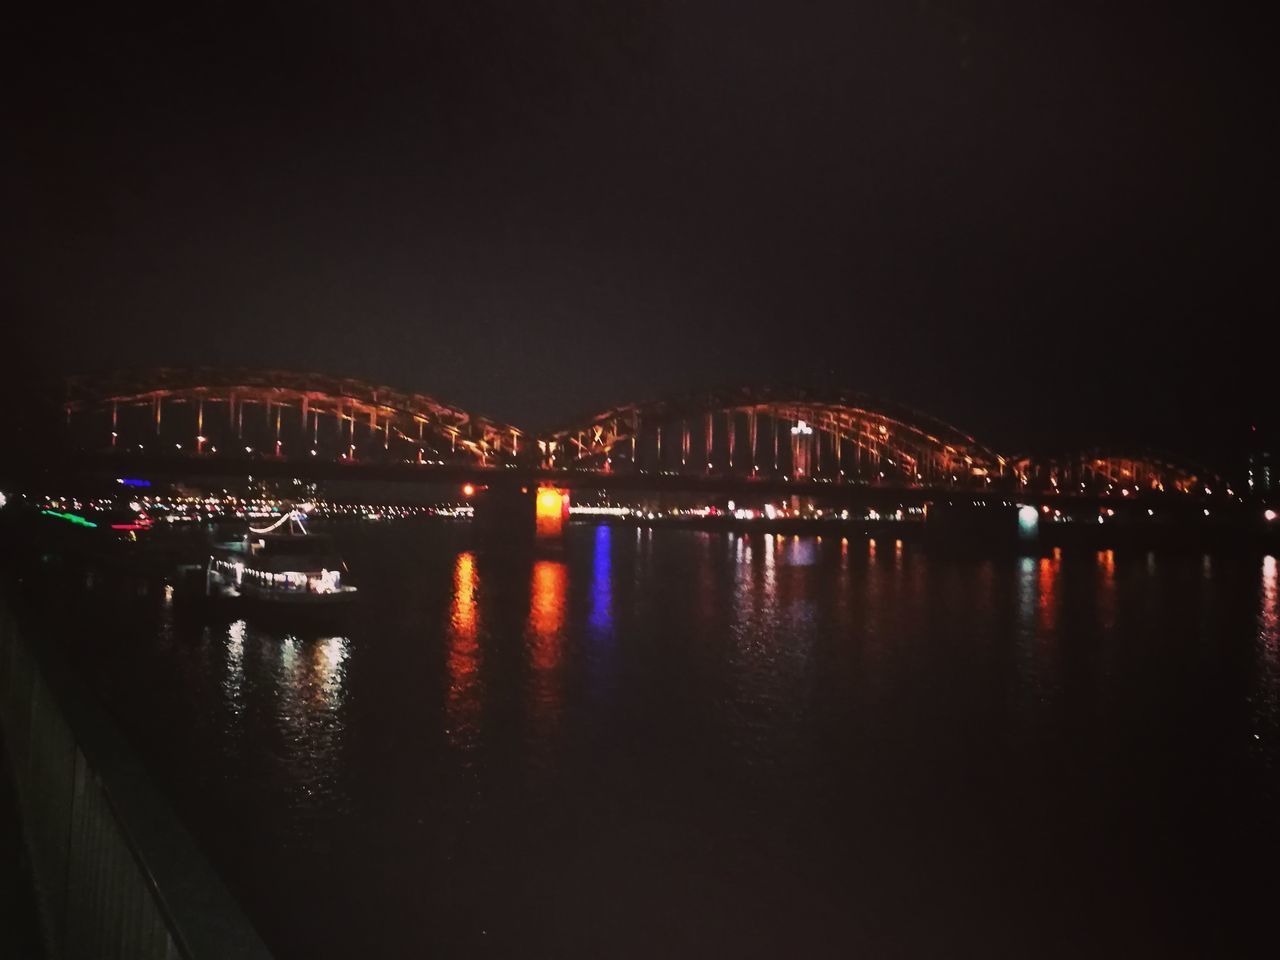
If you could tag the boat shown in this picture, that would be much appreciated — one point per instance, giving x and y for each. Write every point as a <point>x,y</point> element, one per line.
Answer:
<point>282,566</point>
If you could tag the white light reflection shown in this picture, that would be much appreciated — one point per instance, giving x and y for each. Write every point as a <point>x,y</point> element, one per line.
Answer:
<point>1268,701</point>
<point>330,669</point>
<point>233,682</point>
<point>771,635</point>
<point>309,698</point>
<point>770,562</point>
<point>1268,618</point>
<point>802,553</point>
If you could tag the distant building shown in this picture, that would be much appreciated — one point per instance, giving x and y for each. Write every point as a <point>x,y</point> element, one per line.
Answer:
<point>1262,464</point>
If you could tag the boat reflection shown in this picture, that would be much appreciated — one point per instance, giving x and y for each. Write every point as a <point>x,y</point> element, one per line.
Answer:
<point>233,678</point>
<point>297,685</point>
<point>328,669</point>
<point>311,678</point>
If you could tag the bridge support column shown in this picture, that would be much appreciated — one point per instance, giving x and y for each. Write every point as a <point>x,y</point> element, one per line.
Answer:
<point>513,512</point>
<point>551,513</point>
<point>710,438</point>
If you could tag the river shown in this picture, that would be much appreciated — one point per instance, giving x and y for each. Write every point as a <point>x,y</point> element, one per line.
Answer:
<point>675,743</point>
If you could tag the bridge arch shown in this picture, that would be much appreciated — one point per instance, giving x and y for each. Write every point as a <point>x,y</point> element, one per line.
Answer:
<point>793,433</point>
<point>282,413</point>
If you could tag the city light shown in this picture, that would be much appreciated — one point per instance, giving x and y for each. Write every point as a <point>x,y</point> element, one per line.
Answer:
<point>71,518</point>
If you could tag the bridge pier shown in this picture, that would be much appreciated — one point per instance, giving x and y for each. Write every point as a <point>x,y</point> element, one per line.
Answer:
<point>517,511</point>
<point>551,513</point>
<point>963,520</point>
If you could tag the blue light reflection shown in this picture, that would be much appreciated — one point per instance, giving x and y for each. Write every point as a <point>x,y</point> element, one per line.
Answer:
<point>602,583</point>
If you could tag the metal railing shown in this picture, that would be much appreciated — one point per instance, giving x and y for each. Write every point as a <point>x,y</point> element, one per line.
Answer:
<point>116,874</point>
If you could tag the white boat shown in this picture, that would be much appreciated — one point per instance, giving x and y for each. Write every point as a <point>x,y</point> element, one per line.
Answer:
<point>281,565</point>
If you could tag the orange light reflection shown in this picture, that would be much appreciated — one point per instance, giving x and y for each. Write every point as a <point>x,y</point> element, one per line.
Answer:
<point>462,707</point>
<point>1047,588</point>
<point>546,612</point>
<point>548,583</point>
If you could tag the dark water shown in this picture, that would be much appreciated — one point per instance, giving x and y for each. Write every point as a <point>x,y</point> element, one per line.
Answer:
<point>690,744</point>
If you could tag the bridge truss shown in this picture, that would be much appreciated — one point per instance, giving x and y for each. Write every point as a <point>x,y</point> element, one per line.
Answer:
<point>1105,471</point>
<point>257,413</point>
<point>774,432</point>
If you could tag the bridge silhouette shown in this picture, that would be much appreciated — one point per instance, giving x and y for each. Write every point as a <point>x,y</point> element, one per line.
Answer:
<point>774,440</point>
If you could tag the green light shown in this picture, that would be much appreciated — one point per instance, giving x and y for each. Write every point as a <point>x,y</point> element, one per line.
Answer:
<point>70,518</point>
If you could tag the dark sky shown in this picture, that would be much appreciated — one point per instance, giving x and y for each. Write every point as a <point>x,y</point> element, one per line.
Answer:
<point>1033,219</point>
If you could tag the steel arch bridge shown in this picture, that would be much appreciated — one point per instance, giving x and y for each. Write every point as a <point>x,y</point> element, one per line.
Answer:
<point>790,435</point>
<point>278,413</point>
<point>787,433</point>
<point>1117,470</point>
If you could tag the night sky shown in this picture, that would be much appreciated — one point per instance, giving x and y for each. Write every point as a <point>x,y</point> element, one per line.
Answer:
<point>1042,222</point>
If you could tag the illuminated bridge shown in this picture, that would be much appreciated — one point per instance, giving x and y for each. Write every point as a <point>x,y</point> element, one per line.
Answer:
<point>311,425</point>
<point>1116,471</point>
<point>281,414</point>
<point>774,432</point>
